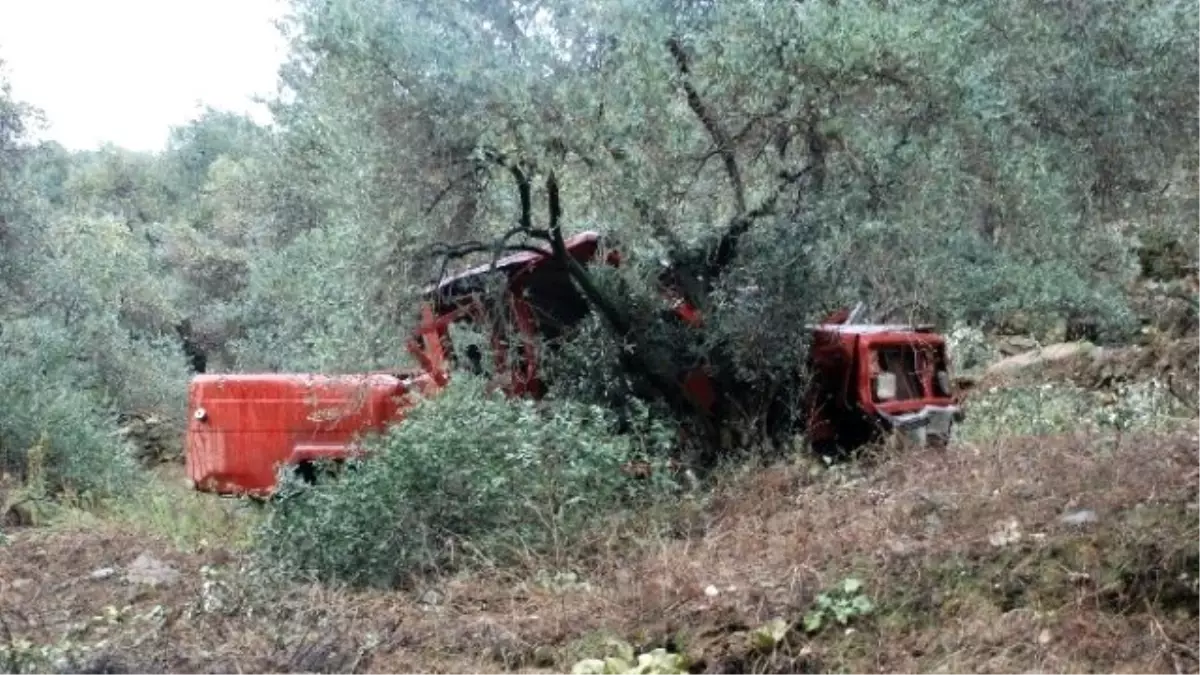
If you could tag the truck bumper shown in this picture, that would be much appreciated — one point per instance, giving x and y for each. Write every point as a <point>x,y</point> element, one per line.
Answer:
<point>931,423</point>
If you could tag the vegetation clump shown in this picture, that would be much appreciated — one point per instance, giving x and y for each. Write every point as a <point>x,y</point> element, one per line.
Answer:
<point>470,479</point>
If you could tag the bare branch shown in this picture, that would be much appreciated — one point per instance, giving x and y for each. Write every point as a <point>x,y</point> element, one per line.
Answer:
<point>708,119</point>
<point>723,254</point>
<point>525,193</point>
<point>555,207</point>
<point>445,191</point>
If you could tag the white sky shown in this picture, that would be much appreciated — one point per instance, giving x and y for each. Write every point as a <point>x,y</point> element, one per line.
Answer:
<point>125,71</point>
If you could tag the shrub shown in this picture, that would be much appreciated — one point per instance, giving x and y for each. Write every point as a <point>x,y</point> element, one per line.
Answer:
<point>467,478</point>
<point>1057,408</point>
<point>53,431</point>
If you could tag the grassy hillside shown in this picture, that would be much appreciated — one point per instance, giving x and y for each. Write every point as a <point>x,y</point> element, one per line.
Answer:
<point>1059,553</point>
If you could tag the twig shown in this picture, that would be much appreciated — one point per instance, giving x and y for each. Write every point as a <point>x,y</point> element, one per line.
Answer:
<point>437,199</point>
<point>1190,651</point>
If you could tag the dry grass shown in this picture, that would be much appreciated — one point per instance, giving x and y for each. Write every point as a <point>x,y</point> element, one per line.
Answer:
<point>1117,594</point>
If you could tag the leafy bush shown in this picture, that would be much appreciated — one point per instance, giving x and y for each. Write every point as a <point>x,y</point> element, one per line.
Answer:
<point>306,307</point>
<point>52,430</point>
<point>626,660</point>
<point>1054,408</point>
<point>968,348</point>
<point>468,477</point>
<point>843,603</point>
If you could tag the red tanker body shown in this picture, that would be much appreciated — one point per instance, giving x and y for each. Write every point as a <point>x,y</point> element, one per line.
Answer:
<point>242,428</point>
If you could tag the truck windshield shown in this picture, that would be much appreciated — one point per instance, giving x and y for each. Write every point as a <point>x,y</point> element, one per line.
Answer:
<point>904,362</point>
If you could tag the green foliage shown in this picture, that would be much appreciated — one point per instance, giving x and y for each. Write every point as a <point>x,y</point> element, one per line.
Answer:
<point>769,635</point>
<point>60,338</point>
<point>586,367</point>
<point>843,604</point>
<point>117,183</point>
<point>310,306</point>
<point>624,661</point>
<point>968,348</point>
<point>467,478</point>
<point>194,149</point>
<point>1057,408</point>
<point>955,164</point>
<point>56,434</point>
<point>99,278</point>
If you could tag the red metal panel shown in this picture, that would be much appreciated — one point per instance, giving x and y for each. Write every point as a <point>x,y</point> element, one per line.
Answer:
<point>242,427</point>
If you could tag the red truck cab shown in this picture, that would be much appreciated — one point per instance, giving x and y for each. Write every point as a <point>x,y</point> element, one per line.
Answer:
<point>867,379</point>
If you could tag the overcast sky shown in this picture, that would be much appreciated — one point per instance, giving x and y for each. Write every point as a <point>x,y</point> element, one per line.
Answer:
<point>125,71</point>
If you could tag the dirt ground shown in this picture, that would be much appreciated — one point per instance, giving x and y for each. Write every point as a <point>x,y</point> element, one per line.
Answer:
<point>1035,554</point>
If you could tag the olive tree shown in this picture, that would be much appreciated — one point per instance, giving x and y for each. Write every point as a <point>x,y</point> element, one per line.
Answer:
<point>941,161</point>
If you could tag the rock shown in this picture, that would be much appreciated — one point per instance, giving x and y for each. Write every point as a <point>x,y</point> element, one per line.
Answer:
<point>1080,517</point>
<point>1015,344</point>
<point>1049,354</point>
<point>1057,332</point>
<point>150,571</point>
<point>432,597</point>
<point>102,573</point>
<point>544,657</point>
<point>21,583</point>
<point>1016,323</point>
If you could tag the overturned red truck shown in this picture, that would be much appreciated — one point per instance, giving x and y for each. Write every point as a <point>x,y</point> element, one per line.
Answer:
<point>864,378</point>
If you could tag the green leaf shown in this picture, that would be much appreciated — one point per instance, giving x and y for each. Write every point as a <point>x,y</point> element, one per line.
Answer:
<point>769,634</point>
<point>863,605</point>
<point>623,649</point>
<point>813,621</point>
